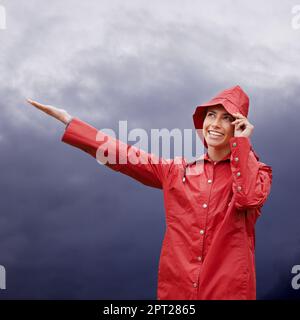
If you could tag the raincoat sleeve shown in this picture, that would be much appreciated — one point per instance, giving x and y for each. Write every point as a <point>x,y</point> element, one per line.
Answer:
<point>251,179</point>
<point>130,160</point>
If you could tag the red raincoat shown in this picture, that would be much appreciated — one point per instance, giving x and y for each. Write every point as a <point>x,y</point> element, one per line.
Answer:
<point>211,209</point>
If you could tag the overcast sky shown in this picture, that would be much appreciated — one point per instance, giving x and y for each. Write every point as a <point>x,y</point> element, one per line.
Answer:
<point>70,228</point>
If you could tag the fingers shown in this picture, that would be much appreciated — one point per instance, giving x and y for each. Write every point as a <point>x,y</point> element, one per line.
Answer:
<point>239,115</point>
<point>243,128</point>
<point>60,114</point>
<point>238,121</point>
<point>38,105</point>
<point>241,125</point>
<point>52,111</point>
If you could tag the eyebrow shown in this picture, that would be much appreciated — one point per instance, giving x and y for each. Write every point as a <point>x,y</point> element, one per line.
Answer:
<point>225,113</point>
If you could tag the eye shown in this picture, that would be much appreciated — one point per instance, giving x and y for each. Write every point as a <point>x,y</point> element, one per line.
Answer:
<point>228,118</point>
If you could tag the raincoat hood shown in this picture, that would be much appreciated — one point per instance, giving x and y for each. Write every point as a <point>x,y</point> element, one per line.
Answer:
<point>233,100</point>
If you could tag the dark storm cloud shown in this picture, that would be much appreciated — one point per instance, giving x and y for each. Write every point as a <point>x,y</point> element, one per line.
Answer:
<point>70,228</point>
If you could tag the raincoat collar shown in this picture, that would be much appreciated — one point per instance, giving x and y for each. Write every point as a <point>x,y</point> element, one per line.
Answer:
<point>227,157</point>
<point>205,157</point>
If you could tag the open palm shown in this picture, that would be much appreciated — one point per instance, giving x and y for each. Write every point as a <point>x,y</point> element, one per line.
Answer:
<point>60,114</point>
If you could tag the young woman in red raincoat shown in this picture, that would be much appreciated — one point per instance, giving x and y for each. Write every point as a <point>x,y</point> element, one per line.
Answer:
<point>211,204</point>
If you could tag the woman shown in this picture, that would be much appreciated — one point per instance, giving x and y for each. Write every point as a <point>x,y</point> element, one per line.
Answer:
<point>208,249</point>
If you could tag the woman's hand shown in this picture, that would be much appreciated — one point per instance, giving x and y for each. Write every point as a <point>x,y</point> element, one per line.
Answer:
<point>60,114</point>
<point>242,126</point>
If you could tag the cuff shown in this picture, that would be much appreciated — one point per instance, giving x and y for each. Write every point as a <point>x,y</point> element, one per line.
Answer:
<point>67,124</point>
<point>240,149</point>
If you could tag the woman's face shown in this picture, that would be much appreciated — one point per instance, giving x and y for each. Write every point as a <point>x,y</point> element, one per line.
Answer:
<point>217,127</point>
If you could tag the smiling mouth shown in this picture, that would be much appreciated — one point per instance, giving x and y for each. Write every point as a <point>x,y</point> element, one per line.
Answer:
<point>215,134</point>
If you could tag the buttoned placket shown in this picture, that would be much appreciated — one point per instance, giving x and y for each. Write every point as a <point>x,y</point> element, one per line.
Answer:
<point>209,176</point>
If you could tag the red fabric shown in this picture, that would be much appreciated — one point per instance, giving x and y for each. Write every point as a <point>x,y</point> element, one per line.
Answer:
<point>220,262</point>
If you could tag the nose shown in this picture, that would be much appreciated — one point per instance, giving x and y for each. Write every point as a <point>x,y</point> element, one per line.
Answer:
<point>216,122</point>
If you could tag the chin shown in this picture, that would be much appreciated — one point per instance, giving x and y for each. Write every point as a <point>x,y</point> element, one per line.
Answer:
<point>213,143</point>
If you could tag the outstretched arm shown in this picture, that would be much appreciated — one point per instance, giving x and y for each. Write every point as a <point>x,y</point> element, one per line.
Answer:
<point>134,162</point>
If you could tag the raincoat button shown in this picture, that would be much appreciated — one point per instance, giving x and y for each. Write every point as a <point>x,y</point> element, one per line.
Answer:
<point>239,188</point>
<point>238,174</point>
<point>183,179</point>
<point>201,231</point>
<point>209,181</point>
<point>236,159</point>
<point>199,258</point>
<point>204,205</point>
<point>195,285</point>
<point>234,144</point>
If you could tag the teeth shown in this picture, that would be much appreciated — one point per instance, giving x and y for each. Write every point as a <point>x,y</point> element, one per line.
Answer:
<point>215,133</point>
